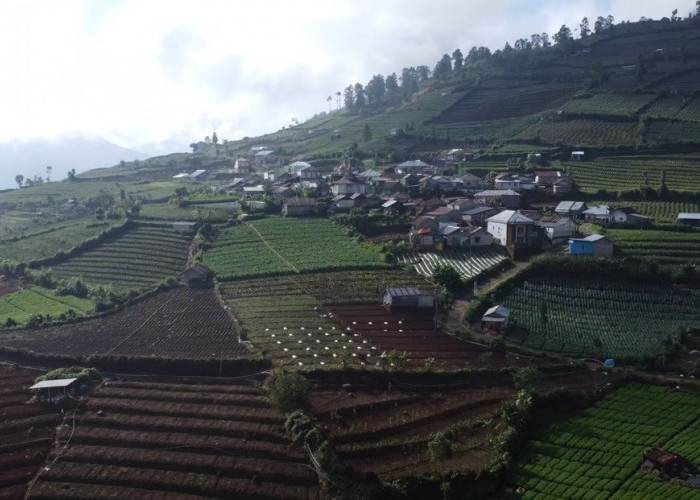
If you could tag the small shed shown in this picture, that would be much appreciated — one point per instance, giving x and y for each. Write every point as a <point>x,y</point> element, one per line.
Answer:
<point>663,461</point>
<point>689,219</point>
<point>294,207</point>
<point>184,227</point>
<point>408,297</point>
<point>197,275</point>
<point>496,318</point>
<point>53,391</point>
<point>578,155</point>
<point>595,244</point>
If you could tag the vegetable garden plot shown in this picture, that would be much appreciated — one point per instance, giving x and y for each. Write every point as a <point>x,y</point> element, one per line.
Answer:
<point>21,305</point>
<point>665,247</point>
<point>411,336</point>
<point>597,452</point>
<point>386,430</point>
<point>140,258</point>
<point>581,133</point>
<point>26,432</point>
<point>231,445</point>
<point>628,319</point>
<point>614,105</point>
<point>184,323</point>
<point>467,264</point>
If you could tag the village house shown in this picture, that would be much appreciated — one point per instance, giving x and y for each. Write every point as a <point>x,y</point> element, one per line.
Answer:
<point>348,186</point>
<point>445,214</point>
<point>184,227</point>
<point>243,166</point>
<point>513,229</point>
<point>471,182</point>
<point>505,197</point>
<point>422,233</point>
<point>299,207</point>
<point>597,215</point>
<point>557,230</point>
<point>413,167</point>
<point>595,244</point>
<point>628,215</point>
<point>408,298</point>
<point>547,178</point>
<point>496,318</point>
<point>393,207</point>
<point>478,214</point>
<point>507,181</point>
<point>689,219</point>
<point>573,209</point>
<point>563,186</point>
<point>343,202</point>
<point>197,275</point>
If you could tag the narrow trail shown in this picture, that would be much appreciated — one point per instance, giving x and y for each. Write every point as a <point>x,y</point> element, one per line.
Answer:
<point>291,266</point>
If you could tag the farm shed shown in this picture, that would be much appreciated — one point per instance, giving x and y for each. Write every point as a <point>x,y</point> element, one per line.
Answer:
<point>578,155</point>
<point>299,206</point>
<point>594,244</point>
<point>496,318</point>
<point>52,390</point>
<point>197,275</point>
<point>184,227</point>
<point>660,460</point>
<point>689,219</point>
<point>407,298</point>
<point>572,209</point>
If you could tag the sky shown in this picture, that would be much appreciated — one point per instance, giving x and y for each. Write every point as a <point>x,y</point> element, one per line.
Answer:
<point>148,71</point>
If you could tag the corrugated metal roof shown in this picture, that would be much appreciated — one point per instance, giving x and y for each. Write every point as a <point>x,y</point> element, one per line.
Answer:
<point>61,382</point>
<point>404,291</point>
<point>689,216</point>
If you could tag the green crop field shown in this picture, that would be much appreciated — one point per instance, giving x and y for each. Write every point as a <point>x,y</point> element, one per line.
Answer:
<point>613,105</point>
<point>664,247</point>
<point>277,245</point>
<point>630,320</point>
<point>61,191</point>
<point>663,212</point>
<point>661,133</point>
<point>137,259</point>
<point>665,107</point>
<point>467,264</point>
<point>45,243</point>
<point>581,133</point>
<point>629,172</point>
<point>165,211</point>
<point>597,453</point>
<point>20,306</point>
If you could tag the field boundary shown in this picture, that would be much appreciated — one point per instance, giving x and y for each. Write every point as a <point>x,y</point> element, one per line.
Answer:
<point>247,224</point>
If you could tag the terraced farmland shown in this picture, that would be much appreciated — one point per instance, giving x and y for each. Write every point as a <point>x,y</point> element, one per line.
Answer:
<point>21,305</point>
<point>183,323</point>
<point>467,264</point>
<point>26,432</point>
<point>174,440</point>
<point>597,453</point>
<point>663,133</point>
<point>664,247</point>
<point>663,212</point>
<point>277,245</point>
<point>626,172</point>
<point>64,190</point>
<point>387,432</point>
<point>140,258</point>
<point>613,105</point>
<point>498,103</point>
<point>630,320</point>
<point>581,133</point>
<point>47,242</point>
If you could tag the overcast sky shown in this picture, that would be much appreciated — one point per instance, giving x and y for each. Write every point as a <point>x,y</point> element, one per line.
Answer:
<point>145,71</point>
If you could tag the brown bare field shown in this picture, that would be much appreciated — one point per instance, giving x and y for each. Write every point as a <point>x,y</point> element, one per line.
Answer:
<point>8,286</point>
<point>408,332</point>
<point>177,440</point>
<point>183,323</point>
<point>26,432</point>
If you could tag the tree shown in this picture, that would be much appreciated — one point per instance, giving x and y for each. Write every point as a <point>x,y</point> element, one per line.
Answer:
<point>71,175</point>
<point>544,37</point>
<point>536,40</point>
<point>359,97</point>
<point>457,61</point>
<point>214,138</point>
<point>329,100</point>
<point>448,277</point>
<point>409,82</point>
<point>19,179</point>
<point>375,91</point>
<point>366,133</point>
<point>349,98</point>
<point>443,68</point>
<point>527,377</point>
<point>49,169</point>
<point>337,98</point>
<point>288,390</point>
<point>423,74</point>
<point>393,92</point>
<point>584,28</point>
<point>563,36</point>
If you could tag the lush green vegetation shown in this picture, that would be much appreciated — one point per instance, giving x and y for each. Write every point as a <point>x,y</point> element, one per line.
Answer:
<point>597,453</point>
<point>467,264</point>
<point>636,172</point>
<point>20,307</point>
<point>582,133</point>
<point>663,247</point>
<point>277,245</point>
<point>142,257</point>
<point>62,191</point>
<point>48,242</point>
<point>599,318</point>
<point>612,105</point>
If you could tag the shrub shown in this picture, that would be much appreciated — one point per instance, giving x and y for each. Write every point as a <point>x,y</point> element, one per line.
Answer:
<point>288,390</point>
<point>439,447</point>
<point>527,377</point>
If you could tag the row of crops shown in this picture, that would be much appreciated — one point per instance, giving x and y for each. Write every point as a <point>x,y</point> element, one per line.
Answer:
<point>582,133</point>
<point>599,319</point>
<point>137,259</point>
<point>279,245</point>
<point>597,453</point>
<point>20,306</point>
<point>613,105</point>
<point>45,243</point>
<point>664,247</point>
<point>184,323</point>
<point>467,264</point>
<point>499,103</point>
<point>623,173</point>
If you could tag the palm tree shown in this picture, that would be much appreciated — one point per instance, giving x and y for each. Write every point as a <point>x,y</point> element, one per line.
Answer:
<point>337,96</point>
<point>329,100</point>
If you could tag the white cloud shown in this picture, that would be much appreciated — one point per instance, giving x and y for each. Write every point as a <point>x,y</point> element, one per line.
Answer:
<point>141,71</point>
